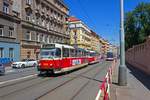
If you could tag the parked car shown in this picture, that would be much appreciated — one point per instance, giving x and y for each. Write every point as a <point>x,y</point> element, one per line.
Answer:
<point>2,69</point>
<point>24,63</point>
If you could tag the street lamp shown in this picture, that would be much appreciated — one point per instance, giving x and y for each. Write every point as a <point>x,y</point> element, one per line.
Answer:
<point>122,79</point>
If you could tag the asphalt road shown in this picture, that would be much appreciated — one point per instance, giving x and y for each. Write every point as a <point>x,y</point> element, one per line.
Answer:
<point>17,73</point>
<point>81,84</point>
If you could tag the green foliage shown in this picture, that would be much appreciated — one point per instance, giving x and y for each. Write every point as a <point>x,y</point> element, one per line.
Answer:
<point>137,25</point>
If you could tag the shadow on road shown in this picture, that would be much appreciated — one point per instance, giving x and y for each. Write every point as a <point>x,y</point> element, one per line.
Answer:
<point>141,76</point>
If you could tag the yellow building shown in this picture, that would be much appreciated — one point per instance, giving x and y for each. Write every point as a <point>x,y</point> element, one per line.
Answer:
<point>105,46</point>
<point>80,34</point>
<point>95,43</point>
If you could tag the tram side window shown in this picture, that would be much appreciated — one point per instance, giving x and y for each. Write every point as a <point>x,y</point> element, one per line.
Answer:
<point>65,52</point>
<point>72,53</point>
<point>79,54</point>
<point>58,52</point>
<point>84,53</point>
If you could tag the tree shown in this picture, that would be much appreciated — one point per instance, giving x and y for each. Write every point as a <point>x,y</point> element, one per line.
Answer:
<point>137,25</point>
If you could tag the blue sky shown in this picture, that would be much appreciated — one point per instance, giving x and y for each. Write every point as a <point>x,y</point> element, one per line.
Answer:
<point>102,16</point>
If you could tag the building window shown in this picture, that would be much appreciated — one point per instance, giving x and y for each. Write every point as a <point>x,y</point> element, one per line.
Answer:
<point>41,38</point>
<point>45,38</point>
<point>28,16</point>
<point>28,2</point>
<point>11,52</point>
<point>1,52</point>
<point>11,31</point>
<point>47,25</point>
<point>1,31</point>
<point>6,8</point>
<point>28,36</point>
<point>37,20</point>
<point>38,37</point>
<point>43,22</point>
<point>48,39</point>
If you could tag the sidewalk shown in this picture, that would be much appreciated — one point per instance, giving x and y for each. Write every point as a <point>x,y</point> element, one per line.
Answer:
<point>138,87</point>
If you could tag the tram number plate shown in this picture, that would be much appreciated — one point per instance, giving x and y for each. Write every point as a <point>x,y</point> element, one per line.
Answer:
<point>76,62</point>
<point>45,64</point>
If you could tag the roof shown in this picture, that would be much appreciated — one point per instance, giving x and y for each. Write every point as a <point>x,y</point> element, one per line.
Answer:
<point>63,3</point>
<point>63,45</point>
<point>73,19</point>
<point>57,45</point>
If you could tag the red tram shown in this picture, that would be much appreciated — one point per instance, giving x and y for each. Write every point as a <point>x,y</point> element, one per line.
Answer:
<point>93,57</point>
<point>58,58</point>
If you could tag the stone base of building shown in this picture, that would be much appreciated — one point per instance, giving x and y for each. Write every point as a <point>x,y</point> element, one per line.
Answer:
<point>30,52</point>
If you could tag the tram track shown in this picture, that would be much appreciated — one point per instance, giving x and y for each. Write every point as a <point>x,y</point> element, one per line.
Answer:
<point>11,82</point>
<point>87,83</point>
<point>77,76</point>
<point>17,74</point>
<point>2,88</point>
<point>40,82</point>
<point>17,82</point>
<point>20,70</point>
<point>32,82</point>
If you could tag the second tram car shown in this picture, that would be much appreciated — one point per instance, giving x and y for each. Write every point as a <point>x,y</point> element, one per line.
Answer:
<point>93,57</point>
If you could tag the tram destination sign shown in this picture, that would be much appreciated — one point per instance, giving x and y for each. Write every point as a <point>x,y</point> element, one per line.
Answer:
<point>49,46</point>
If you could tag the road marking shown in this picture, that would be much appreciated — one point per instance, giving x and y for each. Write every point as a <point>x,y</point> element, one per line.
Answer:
<point>98,95</point>
<point>13,80</point>
<point>10,71</point>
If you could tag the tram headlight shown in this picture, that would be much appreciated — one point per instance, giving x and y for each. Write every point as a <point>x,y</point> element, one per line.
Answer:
<point>39,64</point>
<point>51,64</point>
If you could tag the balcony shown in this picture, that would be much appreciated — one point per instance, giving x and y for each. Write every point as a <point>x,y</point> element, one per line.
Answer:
<point>47,13</point>
<point>28,5</point>
<point>37,10</point>
<point>28,8</point>
<point>43,16</point>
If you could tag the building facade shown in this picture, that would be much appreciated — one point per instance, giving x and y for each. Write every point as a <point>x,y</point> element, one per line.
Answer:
<point>95,43</point>
<point>9,43</point>
<point>105,46</point>
<point>42,22</point>
<point>80,34</point>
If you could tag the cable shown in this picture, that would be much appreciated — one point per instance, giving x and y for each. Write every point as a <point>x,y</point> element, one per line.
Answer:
<point>86,14</point>
<point>84,11</point>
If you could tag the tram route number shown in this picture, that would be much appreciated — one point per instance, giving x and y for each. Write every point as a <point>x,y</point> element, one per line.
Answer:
<point>76,62</point>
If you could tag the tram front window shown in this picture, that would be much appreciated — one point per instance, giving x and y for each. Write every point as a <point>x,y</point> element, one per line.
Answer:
<point>92,54</point>
<point>50,53</point>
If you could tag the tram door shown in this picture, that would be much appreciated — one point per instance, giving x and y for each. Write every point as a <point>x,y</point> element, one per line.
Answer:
<point>65,58</point>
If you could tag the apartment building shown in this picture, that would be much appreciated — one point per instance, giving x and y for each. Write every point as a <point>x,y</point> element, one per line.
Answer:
<point>9,44</point>
<point>42,22</point>
<point>105,46</point>
<point>80,34</point>
<point>95,43</point>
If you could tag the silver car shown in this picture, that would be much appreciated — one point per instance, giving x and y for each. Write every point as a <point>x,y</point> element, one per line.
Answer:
<point>2,69</point>
<point>24,63</point>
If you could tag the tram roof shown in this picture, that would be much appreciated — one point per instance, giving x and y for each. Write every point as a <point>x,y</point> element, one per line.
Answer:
<point>63,45</point>
<point>92,51</point>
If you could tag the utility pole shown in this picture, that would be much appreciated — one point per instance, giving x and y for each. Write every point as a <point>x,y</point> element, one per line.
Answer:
<point>122,68</point>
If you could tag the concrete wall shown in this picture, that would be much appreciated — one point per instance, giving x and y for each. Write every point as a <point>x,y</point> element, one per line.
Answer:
<point>139,56</point>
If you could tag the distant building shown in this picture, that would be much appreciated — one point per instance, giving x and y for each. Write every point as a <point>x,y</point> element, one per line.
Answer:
<point>9,43</point>
<point>104,47</point>
<point>80,34</point>
<point>42,22</point>
<point>95,43</point>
